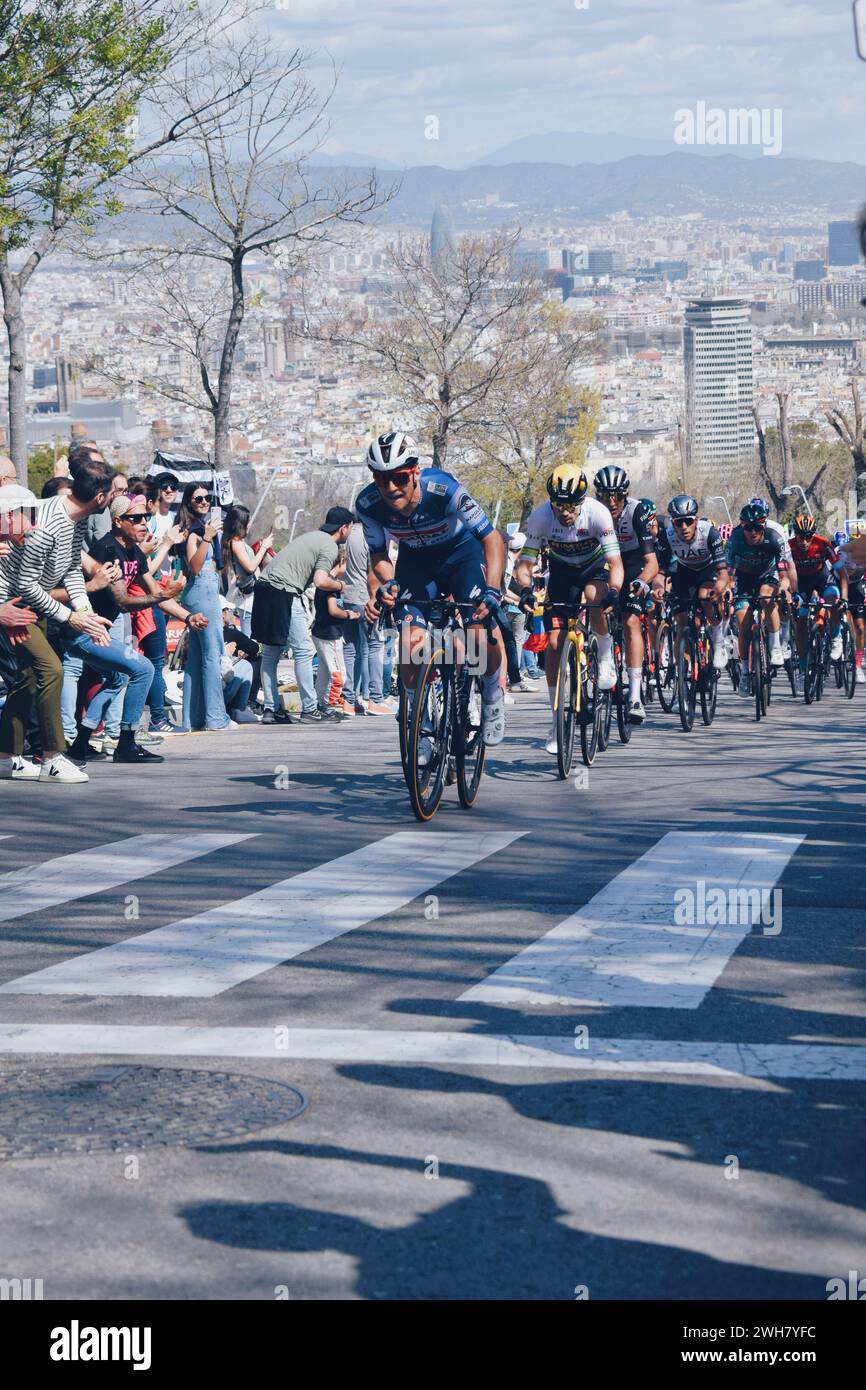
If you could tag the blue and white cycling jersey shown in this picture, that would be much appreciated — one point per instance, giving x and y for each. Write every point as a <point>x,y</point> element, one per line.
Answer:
<point>445,517</point>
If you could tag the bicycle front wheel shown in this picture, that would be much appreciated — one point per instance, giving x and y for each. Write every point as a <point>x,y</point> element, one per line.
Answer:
<point>848,662</point>
<point>428,742</point>
<point>687,688</point>
<point>708,684</point>
<point>567,696</point>
<point>666,667</point>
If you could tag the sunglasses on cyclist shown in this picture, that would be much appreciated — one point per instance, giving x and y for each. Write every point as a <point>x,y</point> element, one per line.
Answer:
<point>615,493</point>
<point>400,478</point>
<point>684,520</point>
<point>753,526</point>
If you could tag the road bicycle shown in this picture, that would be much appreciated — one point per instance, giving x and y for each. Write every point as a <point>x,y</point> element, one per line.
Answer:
<point>441,729</point>
<point>576,701</point>
<point>696,675</point>
<point>820,619</point>
<point>791,662</point>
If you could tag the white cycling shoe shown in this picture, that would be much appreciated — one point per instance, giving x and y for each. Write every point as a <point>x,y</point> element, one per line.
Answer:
<point>493,716</point>
<point>606,674</point>
<point>836,648</point>
<point>859,676</point>
<point>636,712</point>
<point>550,745</point>
<point>777,656</point>
<point>720,657</point>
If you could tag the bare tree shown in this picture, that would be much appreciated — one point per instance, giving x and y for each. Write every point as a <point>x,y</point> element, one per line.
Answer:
<point>536,415</point>
<point>239,186</point>
<point>72,84</point>
<point>852,432</point>
<point>455,335</point>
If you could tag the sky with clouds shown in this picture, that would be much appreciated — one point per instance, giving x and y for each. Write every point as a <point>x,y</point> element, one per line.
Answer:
<point>492,71</point>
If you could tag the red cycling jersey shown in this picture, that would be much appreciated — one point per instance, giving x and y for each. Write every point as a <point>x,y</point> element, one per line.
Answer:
<point>812,555</point>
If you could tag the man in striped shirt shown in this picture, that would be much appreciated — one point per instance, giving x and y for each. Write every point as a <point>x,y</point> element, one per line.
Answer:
<point>46,555</point>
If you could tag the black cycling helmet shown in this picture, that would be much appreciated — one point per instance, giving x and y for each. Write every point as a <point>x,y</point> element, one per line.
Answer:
<point>683,507</point>
<point>649,506</point>
<point>753,512</point>
<point>612,478</point>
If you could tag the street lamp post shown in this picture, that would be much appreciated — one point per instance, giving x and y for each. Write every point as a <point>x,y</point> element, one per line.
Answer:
<point>795,487</point>
<point>724,501</point>
<point>298,512</point>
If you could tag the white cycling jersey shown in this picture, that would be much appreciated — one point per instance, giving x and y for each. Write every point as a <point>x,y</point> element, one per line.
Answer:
<point>590,538</point>
<point>781,533</point>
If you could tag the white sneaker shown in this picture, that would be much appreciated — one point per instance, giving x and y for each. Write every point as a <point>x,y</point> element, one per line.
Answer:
<point>226,728</point>
<point>19,769</point>
<point>60,769</point>
<point>777,656</point>
<point>836,647</point>
<point>859,676</point>
<point>493,715</point>
<point>606,674</point>
<point>636,712</point>
<point>550,745</point>
<point>720,657</point>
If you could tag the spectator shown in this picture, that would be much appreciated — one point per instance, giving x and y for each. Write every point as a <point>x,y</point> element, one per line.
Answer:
<point>47,555</point>
<point>201,561</point>
<point>363,643</point>
<point>329,620</point>
<point>128,673</point>
<point>279,618</point>
<point>515,620</point>
<point>241,565</point>
<point>237,643</point>
<point>56,485</point>
<point>8,471</point>
<point>238,673</point>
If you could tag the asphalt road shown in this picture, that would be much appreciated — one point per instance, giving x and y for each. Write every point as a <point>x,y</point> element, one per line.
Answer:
<point>633,1109</point>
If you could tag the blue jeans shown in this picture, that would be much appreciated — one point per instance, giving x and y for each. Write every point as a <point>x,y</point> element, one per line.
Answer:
<point>153,646</point>
<point>356,658</point>
<point>119,669</point>
<point>203,700</point>
<point>237,687</point>
<point>300,644</point>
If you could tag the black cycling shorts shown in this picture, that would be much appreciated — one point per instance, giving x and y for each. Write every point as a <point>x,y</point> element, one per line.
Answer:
<point>566,584</point>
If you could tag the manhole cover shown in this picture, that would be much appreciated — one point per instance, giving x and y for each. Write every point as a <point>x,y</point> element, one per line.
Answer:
<point>56,1111</point>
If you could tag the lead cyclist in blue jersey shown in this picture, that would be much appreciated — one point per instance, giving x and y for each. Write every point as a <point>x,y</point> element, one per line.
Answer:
<point>445,547</point>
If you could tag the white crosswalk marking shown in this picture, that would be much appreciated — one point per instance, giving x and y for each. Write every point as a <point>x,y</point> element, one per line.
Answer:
<point>89,871</point>
<point>202,956</point>
<point>633,943</point>
<point>803,1061</point>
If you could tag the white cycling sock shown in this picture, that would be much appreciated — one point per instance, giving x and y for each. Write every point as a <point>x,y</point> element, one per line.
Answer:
<point>774,640</point>
<point>605,647</point>
<point>551,695</point>
<point>717,633</point>
<point>634,679</point>
<point>786,633</point>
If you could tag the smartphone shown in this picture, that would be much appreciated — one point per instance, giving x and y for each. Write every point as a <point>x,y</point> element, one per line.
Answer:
<point>216,516</point>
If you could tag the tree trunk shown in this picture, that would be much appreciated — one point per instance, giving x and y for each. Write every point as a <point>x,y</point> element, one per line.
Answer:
<point>859,455</point>
<point>784,440</point>
<point>222,412</point>
<point>13,317</point>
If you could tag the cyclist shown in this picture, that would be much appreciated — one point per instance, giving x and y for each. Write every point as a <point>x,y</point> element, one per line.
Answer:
<point>445,547</point>
<point>816,557</point>
<point>584,556</point>
<point>637,547</point>
<point>787,581</point>
<point>756,556</point>
<point>856,577</point>
<point>692,556</point>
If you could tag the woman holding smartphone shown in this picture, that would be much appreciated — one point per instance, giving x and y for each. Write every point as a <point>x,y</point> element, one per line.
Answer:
<point>201,561</point>
<point>240,563</point>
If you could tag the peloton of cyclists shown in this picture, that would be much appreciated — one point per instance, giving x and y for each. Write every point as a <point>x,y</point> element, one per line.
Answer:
<point>637,545</point>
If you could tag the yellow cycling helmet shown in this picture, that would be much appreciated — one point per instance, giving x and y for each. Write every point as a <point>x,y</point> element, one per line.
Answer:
<point>567,484</point>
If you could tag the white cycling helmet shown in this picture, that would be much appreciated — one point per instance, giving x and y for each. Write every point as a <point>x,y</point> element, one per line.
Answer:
<point>390,451</point>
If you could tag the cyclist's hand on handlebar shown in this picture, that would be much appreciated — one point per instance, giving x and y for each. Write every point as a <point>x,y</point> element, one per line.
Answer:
<point>611,599</point>
<point>488,605</point>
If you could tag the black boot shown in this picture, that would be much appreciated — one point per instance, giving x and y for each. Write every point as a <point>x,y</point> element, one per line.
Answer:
<point>128,751</point>
<point>79,750</point>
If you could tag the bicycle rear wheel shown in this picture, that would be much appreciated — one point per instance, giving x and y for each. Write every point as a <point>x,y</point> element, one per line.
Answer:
<point>813,663</point>
<point>666,667</point>
<point>605,718</point>
<point>757,666</point>
<point>429,731</point>
<point>621,697</point>
<point>566,700</point>
<point>469,741</point>
<point>590,704</point>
